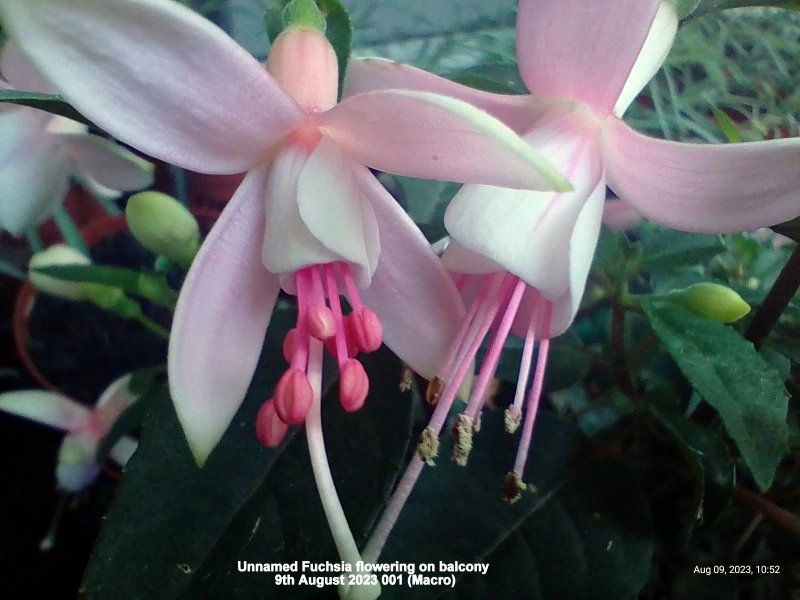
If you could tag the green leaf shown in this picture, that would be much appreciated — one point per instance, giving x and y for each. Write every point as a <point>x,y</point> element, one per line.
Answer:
<point>500,79</point>
<point>176,531</point>
<point>51,103</point>
<point>552,543</point>
<point>339,32</point>
<point>706,454</point>
<point>150,286</point>
<point>669,249</point>
<point>748,394</point>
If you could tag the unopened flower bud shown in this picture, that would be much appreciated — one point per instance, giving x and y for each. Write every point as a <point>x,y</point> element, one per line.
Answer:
<point>58,255</point>
<point>365,329</point>
<point>353,385</point>
<point>270,429</point>
<point>163,225</point>
<point>712,301</point>
<point>293,397</point>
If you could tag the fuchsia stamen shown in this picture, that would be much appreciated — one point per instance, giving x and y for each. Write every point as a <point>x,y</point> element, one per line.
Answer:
<point>514,484</point>
<point>514,412</point>
<point>320,317</point>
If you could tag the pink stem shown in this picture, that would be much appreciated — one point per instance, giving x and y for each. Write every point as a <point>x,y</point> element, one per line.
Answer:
<point>527,355</point>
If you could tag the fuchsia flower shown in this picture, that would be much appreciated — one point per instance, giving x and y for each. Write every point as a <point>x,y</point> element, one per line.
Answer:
<point>86,428</point>
<point>309,217</point>
<point>525,256</point>
<point>41,152</point>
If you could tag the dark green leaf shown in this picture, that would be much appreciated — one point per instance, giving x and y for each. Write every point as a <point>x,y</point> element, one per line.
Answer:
<point>47,102</point>
<point>176,531</point>
<point>747,393</point>
<point>339,32</point>
<point>552,543</point>
<point>706,454</point>
<point>669,249</point>
<point>501,79</point>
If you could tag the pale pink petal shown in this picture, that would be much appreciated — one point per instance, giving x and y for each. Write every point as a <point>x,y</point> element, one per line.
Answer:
<point>46,408</point>
<point>527,232</point>
<point>712,188</point>
<point>288,245</point>
<point>411,292</point>
<point>17,70</point>
<point>581,50</point>
<point>33,181</point>
<point>618,216</point>
<point>220,321</point>
<point>371,74</point>
<point>106,162</point>
<point>122,451</point>
<point>330,205</point>
<point>157,76</point>
<point>425,135</point>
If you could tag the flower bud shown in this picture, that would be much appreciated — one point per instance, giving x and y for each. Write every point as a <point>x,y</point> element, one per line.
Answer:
<point>712,301</point>
<point>303,61</point>
<point>163,225</point>
<point>58,255</point>
<point>353,385</point>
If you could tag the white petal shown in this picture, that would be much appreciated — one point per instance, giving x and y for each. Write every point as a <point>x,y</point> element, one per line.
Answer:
<point>528,233</point>
<point>106,162</point>
<point>46,408</point>
<point>33,181</point>
<point>330,205</point>
<point>653,54</point>
<point>20,72</point>
<point>288,243</point>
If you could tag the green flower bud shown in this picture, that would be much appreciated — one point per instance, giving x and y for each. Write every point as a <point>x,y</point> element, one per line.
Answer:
<point>163,225</point>
<point>57,255</point>
<point>712,301</point>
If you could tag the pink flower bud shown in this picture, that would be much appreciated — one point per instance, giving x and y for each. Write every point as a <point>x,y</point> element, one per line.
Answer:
<point>320,322</point>
<point>365,329</point>
<point>270,430</point>
<point>353,385</point>
<point>293,397</point>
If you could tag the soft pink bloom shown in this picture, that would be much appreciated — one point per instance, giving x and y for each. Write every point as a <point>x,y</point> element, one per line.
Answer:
<point>525,256</point>
<point>86,428</point>
<point>308,217</point>
<point>39,153</point>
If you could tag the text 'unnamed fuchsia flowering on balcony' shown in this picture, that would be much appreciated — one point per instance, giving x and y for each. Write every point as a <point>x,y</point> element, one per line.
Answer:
<point>524,257</point>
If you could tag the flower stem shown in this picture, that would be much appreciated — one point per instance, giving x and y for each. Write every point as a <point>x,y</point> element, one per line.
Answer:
<point>776,301</point>
<point>34,241</point>
<point>151,325</point>
<point>68,230</point>
<point>337,521</point>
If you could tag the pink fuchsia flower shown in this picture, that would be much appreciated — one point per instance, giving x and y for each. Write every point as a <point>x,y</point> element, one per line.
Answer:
<point>525,256</point>
<point>309,216</point>
<point>86,428</point>
<point>40,153</point>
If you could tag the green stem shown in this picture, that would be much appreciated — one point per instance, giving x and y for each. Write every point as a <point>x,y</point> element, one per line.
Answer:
<point>34,241</point>
<point>109,204</point>
<point>68,230</point>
